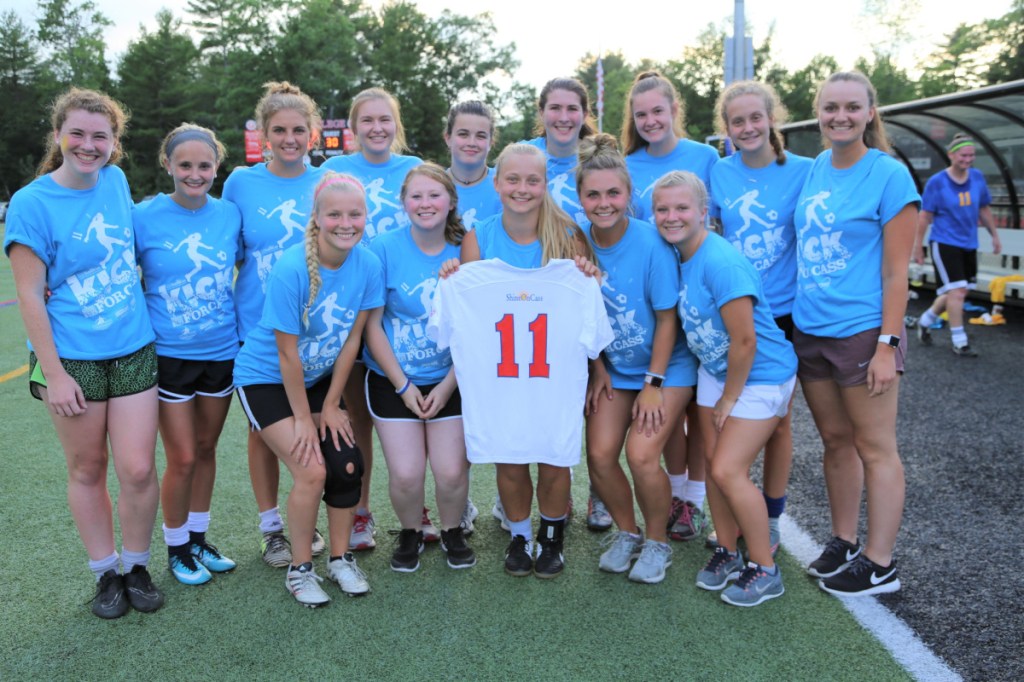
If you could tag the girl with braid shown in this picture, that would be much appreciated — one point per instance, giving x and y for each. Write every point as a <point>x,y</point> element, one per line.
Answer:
<point>293,367</point>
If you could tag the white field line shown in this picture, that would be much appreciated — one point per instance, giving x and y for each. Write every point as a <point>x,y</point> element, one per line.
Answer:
<point>890,631</point>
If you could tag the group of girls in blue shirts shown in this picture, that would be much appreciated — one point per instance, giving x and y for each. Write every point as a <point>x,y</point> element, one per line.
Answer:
<point>711,331</point>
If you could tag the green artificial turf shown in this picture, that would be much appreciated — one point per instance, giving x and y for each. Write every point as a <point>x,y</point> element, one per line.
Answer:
<point>475,624</point>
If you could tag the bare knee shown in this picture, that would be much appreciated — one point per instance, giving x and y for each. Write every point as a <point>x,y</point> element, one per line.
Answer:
<point>642,457</point>
<point>181,463</point>
<point>402,482</point>
<point>312,476</point>
<point>137,474</point>
<point>448,478</point>
<point>875,451</point>
<point>87,470</point>
<point>206,449</point>
<point>725,474</point>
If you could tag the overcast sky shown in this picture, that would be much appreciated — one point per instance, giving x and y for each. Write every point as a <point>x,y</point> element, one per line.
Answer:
<point>549,46</point>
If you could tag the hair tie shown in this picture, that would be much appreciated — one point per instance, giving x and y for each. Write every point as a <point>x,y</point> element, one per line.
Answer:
<point>189,135</point>
<point>337,179</point>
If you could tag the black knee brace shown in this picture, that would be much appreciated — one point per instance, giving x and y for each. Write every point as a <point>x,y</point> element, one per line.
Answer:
<point>344,474</point>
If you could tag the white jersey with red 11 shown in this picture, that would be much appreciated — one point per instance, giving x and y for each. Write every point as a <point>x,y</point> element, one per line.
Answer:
<point>520,341</point>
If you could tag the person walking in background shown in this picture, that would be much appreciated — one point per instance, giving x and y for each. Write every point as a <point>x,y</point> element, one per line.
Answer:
<point>955,201</point>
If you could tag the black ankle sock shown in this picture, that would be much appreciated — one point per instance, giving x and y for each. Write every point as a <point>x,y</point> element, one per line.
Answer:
<point>197,538</point>
<point>178,550</point>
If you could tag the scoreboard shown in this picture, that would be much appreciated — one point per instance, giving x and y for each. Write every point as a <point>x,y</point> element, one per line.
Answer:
<point>337,137</point>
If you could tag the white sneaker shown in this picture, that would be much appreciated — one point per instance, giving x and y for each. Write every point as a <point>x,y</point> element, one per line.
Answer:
<point>469,515</point>
<point>304,584</point>
<point>498,512</point>
<point>350,578</point>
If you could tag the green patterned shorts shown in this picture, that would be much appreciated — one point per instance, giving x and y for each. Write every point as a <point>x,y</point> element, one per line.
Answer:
<point>103,379</point>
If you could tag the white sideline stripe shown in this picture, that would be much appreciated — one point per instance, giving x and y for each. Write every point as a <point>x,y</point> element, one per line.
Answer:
<point>908,650</point>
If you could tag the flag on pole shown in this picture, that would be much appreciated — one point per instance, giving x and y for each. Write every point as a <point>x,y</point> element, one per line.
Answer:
<point>600,95</point>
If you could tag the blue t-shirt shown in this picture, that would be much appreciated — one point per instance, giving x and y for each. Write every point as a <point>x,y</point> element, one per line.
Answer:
<point>84,238</point>
<point>410,278</point>
<point>188,267</point>
<point>275,212</point>
<point>494,242</point>
<point>357,285</point>
<point>715,275</point>
<point>645,170</point>
<point>561,172</point>
<point>756,208</point>
<point>479,202</point>
<point>639,276</point>
<point>383,184</point>
<point>840,216</point>
<point>955,207</point>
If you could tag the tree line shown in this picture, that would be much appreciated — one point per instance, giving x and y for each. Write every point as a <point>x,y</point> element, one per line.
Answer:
<point>208,67</point>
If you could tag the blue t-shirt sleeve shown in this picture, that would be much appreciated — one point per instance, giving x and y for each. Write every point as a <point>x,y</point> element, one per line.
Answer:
<point>663,279</point>
<point>282,310</point>
<point>984,196</point>
<point>897,193</point>
<point>729,281</point>
<point>25,226</point>
<point>373,296</point>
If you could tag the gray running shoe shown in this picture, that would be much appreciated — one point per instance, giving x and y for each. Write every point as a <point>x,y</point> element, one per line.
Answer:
<point>774,538</point>
<point>689,524</point>
<point>754,586</point>
<point>722,567</point>
<point>650,567</point>
<point>623,547</point>
<point>598,517</point>
<point>363,530</point>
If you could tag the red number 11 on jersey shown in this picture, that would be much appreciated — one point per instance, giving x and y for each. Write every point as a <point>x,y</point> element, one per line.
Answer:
<point>508,367</point>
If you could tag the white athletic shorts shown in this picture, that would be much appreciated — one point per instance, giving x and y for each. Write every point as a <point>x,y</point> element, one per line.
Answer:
<point>760,401</point>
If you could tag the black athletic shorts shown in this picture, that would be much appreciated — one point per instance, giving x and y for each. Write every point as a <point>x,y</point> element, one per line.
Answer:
<point>386,405</point>
<point>267,404</point>
<point>181,380</point>
<point>955,267</point>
